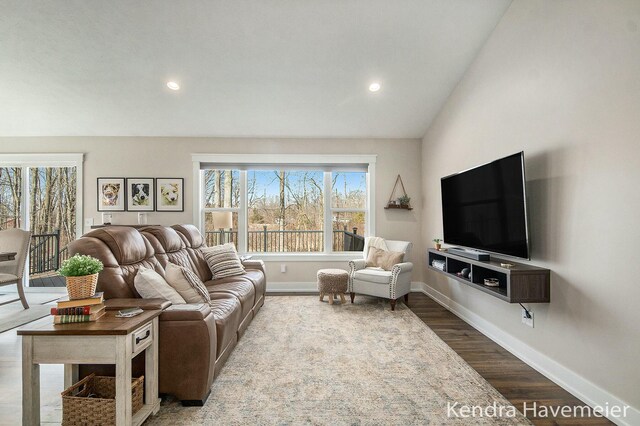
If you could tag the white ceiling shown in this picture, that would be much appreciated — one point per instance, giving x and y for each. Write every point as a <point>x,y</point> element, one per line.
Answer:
<point>268,68</point>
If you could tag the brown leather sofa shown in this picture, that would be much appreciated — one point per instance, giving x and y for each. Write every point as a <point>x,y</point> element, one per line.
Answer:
<point>195,339</point>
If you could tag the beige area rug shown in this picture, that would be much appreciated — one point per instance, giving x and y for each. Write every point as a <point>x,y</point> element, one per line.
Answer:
<point>306,362</point>
<point>13,315</point>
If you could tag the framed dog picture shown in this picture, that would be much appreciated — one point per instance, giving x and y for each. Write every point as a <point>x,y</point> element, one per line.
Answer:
<point>170,194</point>
<point>140,194</point>
<point>111,194</point>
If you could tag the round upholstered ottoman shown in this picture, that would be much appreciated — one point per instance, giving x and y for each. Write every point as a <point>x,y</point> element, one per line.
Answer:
<point>332,282</point>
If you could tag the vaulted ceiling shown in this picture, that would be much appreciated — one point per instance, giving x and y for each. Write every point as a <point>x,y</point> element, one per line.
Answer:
<point>267,68</point>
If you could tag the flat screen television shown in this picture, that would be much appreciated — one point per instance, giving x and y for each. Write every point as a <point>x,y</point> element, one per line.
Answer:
<point>485,208</point>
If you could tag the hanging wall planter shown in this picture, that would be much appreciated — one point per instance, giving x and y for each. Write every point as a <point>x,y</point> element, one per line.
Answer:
<point>401,202</point>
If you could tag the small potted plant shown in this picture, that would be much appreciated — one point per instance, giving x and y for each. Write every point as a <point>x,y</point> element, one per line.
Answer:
<point>438,243</point>
<point>81,273</point>
<point>404,200</point>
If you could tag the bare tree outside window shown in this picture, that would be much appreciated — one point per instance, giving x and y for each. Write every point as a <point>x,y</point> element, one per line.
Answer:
<point>285,209</point>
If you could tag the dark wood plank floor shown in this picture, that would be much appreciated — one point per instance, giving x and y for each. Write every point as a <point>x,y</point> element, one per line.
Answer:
<point>513,378</point>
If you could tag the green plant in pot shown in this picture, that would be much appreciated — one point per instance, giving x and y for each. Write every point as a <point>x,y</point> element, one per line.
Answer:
<point>81,272</point>
<point>404,200</point>
<point>438,243</point>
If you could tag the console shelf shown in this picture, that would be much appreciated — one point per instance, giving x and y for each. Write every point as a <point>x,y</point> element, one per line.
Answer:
<point>520,283</point>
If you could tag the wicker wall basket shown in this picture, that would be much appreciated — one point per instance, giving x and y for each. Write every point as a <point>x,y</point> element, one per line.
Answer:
<point>82,287</point>
<point>92,401</point>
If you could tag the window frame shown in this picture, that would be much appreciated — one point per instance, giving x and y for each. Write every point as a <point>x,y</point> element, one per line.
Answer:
<point>329,163</point>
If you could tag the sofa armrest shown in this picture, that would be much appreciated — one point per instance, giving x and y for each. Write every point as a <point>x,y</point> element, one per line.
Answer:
<point>254,264</point>
<point>135,302</point>
<point>356,265</point>
<point>402,267</point>
<point>186,312</point>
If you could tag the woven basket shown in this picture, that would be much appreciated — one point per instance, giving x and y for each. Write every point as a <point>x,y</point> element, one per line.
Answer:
<point>82,287</point>
<point>78,408</point>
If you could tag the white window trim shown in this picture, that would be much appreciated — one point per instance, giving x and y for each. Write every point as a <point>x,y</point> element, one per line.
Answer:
<point>26,161</point>
<point>284,159</point>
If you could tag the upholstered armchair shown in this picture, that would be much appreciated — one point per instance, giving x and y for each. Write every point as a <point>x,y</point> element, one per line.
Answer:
<point>377,282</point>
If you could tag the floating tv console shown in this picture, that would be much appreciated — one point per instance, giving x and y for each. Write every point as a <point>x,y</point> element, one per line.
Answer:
<point>520,283</point>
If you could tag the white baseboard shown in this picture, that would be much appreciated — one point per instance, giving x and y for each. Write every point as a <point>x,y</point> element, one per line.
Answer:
<point>572,382</point>
<point>292,287</point>
<point>312,287</point>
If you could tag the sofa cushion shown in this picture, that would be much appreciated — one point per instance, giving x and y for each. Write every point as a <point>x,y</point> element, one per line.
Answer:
<point>187,284</point>
<point>373,275</point>
<point>239,287</point>
<point>259,282</point>
<point>223,261</point>
<point>122,250</point>
<point>169,246</point>
<point>151,285</point>
<point>383,259</point>
<point>195,244</point>
<point>227,312</point>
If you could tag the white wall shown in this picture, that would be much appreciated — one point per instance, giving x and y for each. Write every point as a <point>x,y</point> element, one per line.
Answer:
<point>561,81</point>
<point>171,157</point>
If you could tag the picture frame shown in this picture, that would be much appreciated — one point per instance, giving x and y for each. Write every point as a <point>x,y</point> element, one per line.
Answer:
<point>141,194</point>
<point>170,194</point>
<point>111,194</point>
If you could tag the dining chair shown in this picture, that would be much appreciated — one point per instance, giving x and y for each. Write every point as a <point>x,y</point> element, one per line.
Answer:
<point>12,271</point>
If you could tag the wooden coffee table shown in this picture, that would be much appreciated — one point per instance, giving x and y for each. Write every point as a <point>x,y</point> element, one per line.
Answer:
<point>109,340</point>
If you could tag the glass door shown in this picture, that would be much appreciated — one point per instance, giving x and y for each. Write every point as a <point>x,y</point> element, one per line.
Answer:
<point>42,193</point>
<point>52,221</point>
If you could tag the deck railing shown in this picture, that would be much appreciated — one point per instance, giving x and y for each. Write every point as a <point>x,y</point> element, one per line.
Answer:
<point>44,253</point>
<point>288,241</point>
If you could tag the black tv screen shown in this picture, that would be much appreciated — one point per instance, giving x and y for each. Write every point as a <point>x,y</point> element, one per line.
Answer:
<point>484,208</point>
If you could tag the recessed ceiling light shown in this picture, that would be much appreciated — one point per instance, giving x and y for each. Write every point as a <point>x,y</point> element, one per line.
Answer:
<point>374,87</point>
<point>173,85</point>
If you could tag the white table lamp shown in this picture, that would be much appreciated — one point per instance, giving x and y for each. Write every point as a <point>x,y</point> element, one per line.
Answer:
<point>222,221</point>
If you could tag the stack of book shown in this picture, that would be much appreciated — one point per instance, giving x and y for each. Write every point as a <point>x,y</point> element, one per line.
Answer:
<point>78,310</point>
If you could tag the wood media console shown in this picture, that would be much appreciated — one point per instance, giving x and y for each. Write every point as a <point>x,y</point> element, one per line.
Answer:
<point>519,283</point>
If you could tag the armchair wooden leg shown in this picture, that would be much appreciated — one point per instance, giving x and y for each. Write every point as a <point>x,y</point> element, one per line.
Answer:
<point>321,296</point>
<point>23,299</point>
<point>342,299</point>
<point>406,298</point>
<point>331,298</point>
<point>352,295</point>
<point>393,305</point>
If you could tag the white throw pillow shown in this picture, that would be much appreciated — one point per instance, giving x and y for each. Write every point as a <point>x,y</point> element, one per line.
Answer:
<point>187,283</point>
<point>151,285</point>
<point>223,261</point>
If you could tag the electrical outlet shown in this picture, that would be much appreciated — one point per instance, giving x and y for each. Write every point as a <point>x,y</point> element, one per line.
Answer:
<point>283,268</point>
<point>88,222</point>
<point>527,320</point>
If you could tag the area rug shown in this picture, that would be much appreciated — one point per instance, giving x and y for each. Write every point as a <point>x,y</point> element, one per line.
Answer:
<point>13,315</point>
<point>306,362</point>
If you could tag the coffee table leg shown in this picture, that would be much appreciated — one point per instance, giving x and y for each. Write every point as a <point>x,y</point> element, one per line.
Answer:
<point>70,375</point>
<point>123,381</point>
<point>151,369</point>
<point>30,384</point>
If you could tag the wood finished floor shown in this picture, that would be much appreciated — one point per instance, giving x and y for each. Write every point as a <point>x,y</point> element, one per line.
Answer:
<point>513,378</point>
